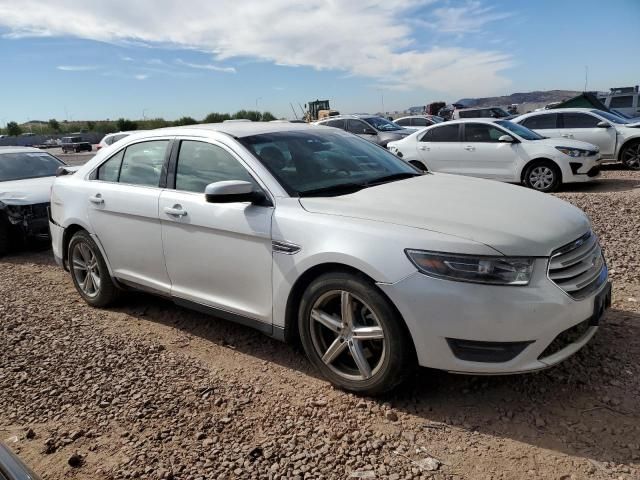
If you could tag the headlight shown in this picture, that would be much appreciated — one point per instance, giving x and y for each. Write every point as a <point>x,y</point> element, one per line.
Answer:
<point>475,269</point>
<point>575,152</point>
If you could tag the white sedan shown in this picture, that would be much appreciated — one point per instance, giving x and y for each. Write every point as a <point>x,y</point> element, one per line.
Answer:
<point>499,150</point>
<point>312,234</point>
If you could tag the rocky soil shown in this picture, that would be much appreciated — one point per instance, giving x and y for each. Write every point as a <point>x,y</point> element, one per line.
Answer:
<point>152,391</point>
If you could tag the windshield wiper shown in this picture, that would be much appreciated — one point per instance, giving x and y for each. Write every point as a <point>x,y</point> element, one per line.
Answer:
<point>333,190</point>
<point>392,178</point>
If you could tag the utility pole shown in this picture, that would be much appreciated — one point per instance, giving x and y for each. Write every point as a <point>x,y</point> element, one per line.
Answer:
<point>257,99</point>
<point>586,77</point>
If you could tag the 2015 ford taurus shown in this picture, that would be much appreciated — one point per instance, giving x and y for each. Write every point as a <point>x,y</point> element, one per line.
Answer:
<point>314,234</point>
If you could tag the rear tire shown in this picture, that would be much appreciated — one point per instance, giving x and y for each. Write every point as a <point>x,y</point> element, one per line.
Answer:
<point>630,156</point>
<point>354,335</point>
<point>4,240</point>
<point>543,176</point>
<point>89,271</point>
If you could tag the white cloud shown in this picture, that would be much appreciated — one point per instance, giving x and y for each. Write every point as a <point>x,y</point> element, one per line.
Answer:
<point>124,58</point>
<point>141,76</point>
<point>370,38</point>
<point>77,68</point>
<point>468,18</point>
<point>206,66</point>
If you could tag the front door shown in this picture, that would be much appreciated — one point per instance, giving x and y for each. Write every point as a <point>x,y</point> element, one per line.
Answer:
<point>123,211</point>
<point>217,254</point>
<point>484,156</point>
<point>584,127</point>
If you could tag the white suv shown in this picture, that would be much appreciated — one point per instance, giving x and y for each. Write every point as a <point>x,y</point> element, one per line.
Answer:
<point>617,138</point>
<point>312,233</point>
<point>499,150</point>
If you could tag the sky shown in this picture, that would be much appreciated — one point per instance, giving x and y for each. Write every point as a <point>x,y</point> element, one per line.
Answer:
<point>97,59</point>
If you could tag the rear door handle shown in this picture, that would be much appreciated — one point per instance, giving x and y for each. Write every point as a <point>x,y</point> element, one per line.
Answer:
<point>97,199</point>
<point>175,211</point>
<point>422,147</point>
<point>470,148</point>
<point>566,135</point>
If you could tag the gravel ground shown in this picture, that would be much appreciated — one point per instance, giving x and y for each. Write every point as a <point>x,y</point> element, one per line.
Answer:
<point>152,391</point>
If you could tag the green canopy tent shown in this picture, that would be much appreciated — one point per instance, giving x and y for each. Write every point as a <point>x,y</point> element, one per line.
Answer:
<point>584,100</point>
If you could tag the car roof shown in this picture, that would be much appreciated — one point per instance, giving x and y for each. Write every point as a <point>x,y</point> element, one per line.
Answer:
<point>236,129</point>
<point>20,150</point>
<point>562,110</point>
<point>426,115</point>
<point>478,108</point>
<point>469,120</point>
<point>350,115</point>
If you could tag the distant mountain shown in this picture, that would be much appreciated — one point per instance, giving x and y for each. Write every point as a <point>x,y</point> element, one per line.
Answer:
<point>520,98</point>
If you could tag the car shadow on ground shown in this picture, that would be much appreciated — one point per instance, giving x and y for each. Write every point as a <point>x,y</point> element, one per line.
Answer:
<point>602,185</point>
<point>587,406</point>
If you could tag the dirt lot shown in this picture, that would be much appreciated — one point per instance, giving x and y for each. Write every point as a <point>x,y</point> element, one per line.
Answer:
<point>150,390</point>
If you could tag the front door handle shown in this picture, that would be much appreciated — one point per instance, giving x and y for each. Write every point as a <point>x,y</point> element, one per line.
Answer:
<point>566,135</point>
<point>97,199</point>
<point>470,148</point>
<point>175,211</point>
<point>422,147</point>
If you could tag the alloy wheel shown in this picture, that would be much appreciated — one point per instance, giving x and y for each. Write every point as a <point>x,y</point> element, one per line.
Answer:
<point>631,157</point>
<point>347,335</point>
<point>541,177</point>
<point>86,269</point>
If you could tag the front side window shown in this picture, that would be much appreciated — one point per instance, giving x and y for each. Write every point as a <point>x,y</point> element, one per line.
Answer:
<point>579,120</point>
<point>335,123</point>
<point>109,170</point>
<point>483,133</point>
<point>142,163</point>
<point>325,162</point>
<point>405,122</point>
<point>444,133</point>
<point>358,127</point>
<point>200,164</point>
<point>541,122</point>
<point>382,124</point>
<point>18,166</point>
<point>420,122</point>
<point>621,102</point>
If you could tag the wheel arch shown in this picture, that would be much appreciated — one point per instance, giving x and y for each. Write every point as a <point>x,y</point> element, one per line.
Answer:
<point>630,141</point>
<point>292,334</point>
<point>540,160</point>
<point>68,234</point>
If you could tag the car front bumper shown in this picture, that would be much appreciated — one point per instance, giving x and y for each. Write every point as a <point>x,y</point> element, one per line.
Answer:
<point>579,170</point>
<point>451,323</point>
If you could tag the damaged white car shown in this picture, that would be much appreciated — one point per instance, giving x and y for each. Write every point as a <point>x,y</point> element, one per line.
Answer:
<point>26,176</point>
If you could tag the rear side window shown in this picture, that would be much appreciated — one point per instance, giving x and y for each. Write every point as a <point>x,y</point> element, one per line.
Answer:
<point>420,122</point>
<point>142,163</point>
<point>468,114</point>
<point>405,122</point>
<point>335,124</point>
<point>445,133</point>
<point>200,164</point>
<point>621,102</point>
<point>579,120</point>
<point>480,132</point>
<point>542,122</point>
<point>109,170</point>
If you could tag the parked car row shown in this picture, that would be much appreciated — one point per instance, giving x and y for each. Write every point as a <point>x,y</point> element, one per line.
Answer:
<point>311,234</point>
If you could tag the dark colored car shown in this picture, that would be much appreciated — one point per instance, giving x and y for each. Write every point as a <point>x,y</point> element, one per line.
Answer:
<point>75,144</point>
<point>370,127</point>
<point>12,468</point>
<point>26,176</point>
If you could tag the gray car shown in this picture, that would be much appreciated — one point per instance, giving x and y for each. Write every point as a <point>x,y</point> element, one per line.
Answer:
<point>370,127</point>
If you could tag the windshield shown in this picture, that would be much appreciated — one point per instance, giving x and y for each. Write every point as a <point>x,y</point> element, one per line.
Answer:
<point>19,166</point>
<point>382,124</point>
<point>498,113</point>
<point>325,163</point>
<point>610,116</point>
<point>519,130</point>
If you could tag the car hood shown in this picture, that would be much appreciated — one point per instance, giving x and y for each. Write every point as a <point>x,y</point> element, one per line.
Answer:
<point>25,192</point>
<point>511,219</point>
<point>566,142</point>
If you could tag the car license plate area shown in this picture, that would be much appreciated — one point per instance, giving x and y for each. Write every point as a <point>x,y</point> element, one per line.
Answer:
<point>600,305</point>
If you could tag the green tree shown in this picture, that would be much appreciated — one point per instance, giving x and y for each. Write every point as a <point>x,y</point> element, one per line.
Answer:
<point>13,129</point>
<point>267,117</point>
<point>154,123</point>
<point>216,117</point>
<point>124,125</point>
<point>91,126</point>
<point>252,115</point>
<point>186,121</point>
<point>54,125</point>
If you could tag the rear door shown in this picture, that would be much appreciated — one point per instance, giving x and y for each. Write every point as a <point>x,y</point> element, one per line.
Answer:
<point>584,126</point>
<point>217,254</point>
<point>546,124</point>
<point>484,156</point>
<point>123,211</point>
<point>439,148</point>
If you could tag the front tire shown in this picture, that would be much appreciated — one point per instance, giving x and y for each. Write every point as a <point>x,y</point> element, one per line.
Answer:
<point>89,271</point>
<point>630,156</point>
<point>543,176</point>
<point>353,334</point>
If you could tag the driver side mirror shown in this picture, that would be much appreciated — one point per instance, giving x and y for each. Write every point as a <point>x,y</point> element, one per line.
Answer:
<point>603,125</point>
<point>234,191</point>
<point>506,139</point>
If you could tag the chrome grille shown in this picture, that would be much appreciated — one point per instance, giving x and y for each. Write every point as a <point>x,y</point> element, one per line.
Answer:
<point>579,267</point>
